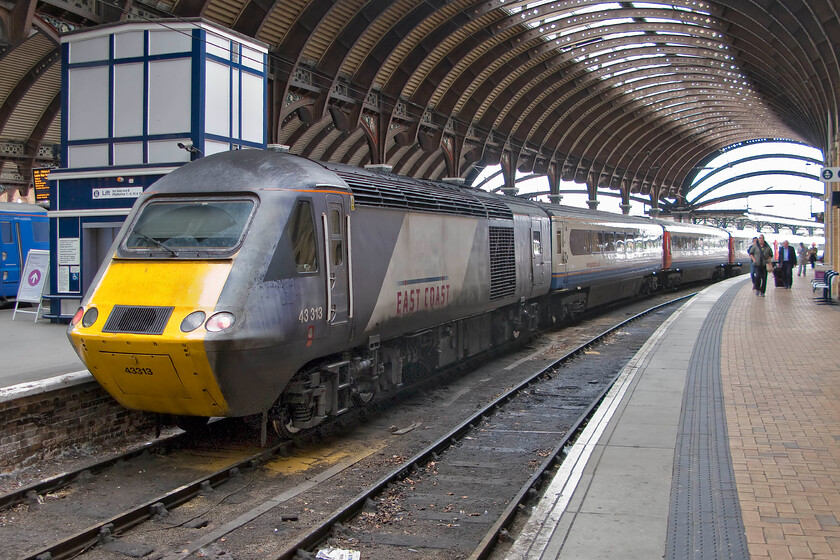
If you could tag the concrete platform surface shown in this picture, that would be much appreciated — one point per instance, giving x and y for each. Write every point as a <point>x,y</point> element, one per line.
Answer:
<point>34,351</point>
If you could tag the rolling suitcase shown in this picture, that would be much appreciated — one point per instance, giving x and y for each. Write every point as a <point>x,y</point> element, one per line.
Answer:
<point>777,277</point>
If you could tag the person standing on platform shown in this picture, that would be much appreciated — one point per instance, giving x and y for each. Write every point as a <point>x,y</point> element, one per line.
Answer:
<point>812,255</point>
<point>752,263</point>
<point>787,260</point>
<point>803,260</point>
<point>761,255</point>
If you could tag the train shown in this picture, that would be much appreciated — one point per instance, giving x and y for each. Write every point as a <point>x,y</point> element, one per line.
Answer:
<point>257,282</point>
<point>23,227</point>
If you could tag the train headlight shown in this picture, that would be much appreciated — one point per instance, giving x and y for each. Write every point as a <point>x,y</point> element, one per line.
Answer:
<point>3,256</point>
<point>90,317</point>
<point>193,321</point>
<point>220,322</point>
<point>77,317</point>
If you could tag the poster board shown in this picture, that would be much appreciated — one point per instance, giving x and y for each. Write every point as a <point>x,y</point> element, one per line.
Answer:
<point>32,281</point>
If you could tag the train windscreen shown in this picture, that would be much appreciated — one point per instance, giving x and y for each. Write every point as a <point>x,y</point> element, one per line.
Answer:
<point>191,225</point>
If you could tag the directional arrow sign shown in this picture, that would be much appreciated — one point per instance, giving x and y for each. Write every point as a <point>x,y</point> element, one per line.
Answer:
<point>829,174</point>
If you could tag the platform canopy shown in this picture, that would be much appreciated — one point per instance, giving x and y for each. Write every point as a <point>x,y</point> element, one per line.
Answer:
<point>630,96</point>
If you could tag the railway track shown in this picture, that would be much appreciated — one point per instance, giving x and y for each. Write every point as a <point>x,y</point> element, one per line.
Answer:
<point>433,487</point>
<point>423,475</point>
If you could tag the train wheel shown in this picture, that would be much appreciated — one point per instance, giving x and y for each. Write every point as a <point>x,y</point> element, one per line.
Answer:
<point>284,428</point>
<point>192,424</point>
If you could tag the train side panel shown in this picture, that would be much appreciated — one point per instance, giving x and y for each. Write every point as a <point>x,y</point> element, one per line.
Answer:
<point>695,252</point>
<point>610,258</point>
<point>22,227</point>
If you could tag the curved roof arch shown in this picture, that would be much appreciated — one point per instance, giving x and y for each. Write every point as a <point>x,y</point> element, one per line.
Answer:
<point>630,96</point>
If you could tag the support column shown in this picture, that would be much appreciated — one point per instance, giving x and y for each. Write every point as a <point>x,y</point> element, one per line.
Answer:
<point>625,208</point>
<point>554,184</point>
<point>592,203</point>
<point>509,174</point>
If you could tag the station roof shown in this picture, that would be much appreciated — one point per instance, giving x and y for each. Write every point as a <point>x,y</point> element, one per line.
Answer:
<point>631,96</point>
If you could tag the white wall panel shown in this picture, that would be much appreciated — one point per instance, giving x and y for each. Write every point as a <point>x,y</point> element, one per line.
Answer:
<point>212,147</point>
<point>87,156</point>
<point>253,108</point>
<point>167,151</point>
<point>218,46</point>
<point>217,100</point>
<point>252,59</point>
<point>165,42</point>
<point>130,153</point>
<point>170,88</point>
<point>128,99</point>
<point>90,50</point>
<point>128,45</point>
<point>234,105</point>
<point>87,111</point>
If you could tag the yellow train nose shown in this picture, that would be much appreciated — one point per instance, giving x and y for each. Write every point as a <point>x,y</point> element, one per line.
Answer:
<point>136,347</point>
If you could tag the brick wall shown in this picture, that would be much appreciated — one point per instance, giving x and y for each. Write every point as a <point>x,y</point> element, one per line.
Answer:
<point>38,427</point>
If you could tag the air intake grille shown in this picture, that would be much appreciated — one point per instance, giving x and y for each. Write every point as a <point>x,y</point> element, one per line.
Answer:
<point>137,320</point>
<point>502,263</point>
<point>371,189</point>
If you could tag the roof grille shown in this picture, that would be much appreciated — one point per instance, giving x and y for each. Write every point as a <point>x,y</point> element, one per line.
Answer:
<point>372,189</point>
<point>502,263</point>
<point>137,319</point>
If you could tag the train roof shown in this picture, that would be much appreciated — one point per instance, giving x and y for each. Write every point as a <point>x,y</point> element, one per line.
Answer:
<point>684,227</point>
<point>21,208</point>
<point>597,216</point>
<point>246,170</point>
<point>387,190</point>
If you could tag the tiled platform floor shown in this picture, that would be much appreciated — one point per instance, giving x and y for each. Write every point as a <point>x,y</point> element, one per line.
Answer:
<point>780,370</point>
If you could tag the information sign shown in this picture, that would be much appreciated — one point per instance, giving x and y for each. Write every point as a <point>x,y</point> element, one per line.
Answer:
<point>33,280</point>
<point>117,192</point>
<point>42,188</point>
<point>829,174</point>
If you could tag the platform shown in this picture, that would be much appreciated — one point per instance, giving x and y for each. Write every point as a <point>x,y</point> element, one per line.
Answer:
<point>35,351</point>
<point>720,440</point>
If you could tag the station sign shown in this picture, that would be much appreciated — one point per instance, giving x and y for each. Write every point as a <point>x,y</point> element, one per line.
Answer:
<point>117,192</point>
<point>829,174</point>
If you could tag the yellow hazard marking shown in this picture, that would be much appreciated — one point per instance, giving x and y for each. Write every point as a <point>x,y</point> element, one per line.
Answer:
<point>323,455</point>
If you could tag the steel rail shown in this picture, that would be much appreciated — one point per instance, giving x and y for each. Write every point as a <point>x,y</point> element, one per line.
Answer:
<point>356,504</point>
<point>86,538</point>
<point>59,481</point>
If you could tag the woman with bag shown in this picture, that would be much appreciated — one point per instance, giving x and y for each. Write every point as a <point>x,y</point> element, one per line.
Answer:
<point>761,255</point>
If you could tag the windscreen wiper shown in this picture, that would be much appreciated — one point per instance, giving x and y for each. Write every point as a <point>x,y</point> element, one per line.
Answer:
<point>156,242</point>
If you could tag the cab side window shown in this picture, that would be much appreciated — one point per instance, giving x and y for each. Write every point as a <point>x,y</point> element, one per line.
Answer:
<point>6,232</point>
<point>303,237</point>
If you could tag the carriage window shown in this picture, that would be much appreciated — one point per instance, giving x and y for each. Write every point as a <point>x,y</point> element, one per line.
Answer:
<point>303,237</point>
<point>579,242</point>
<point>536,242</point>
<point>167,226</point>
<point>336,246</point>
<point>609,242</point>
<point>6,232</point>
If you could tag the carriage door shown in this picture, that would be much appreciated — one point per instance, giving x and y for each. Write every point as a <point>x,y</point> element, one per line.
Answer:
<point>336,224</point>
<point>9,264</point>
<point>538,252</point>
